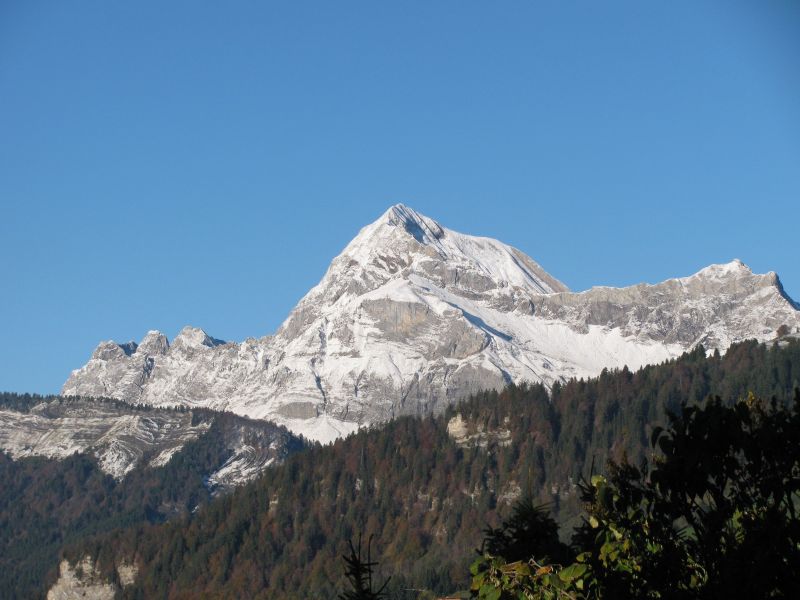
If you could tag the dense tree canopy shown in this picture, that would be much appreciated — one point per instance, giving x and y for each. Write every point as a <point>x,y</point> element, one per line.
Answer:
<point>713,516</point>
<point>425,496</point>
<point>48,504</point>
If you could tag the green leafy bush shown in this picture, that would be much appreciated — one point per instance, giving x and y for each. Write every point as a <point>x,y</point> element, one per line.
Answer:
<point>714,516</point>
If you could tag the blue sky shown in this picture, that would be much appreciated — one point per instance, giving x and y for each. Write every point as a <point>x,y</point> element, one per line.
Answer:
<point>173,163</point>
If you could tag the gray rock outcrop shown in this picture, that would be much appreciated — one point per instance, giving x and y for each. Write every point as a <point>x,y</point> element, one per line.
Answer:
<point>412,316</point>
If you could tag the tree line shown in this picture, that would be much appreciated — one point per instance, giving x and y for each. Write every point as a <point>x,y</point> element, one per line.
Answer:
<point>423,497</point>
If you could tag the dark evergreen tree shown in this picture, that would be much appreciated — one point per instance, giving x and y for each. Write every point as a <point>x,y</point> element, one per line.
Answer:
<point>530,531</point>
<point>359,572</point>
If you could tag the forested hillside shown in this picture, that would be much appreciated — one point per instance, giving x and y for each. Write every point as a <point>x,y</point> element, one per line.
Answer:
<point>425,488</point>
<point>46,504</point>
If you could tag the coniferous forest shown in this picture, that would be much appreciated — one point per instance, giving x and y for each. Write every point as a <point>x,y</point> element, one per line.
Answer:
<point>425,489</point>
<point>434,300</point>
<point>47,504</point>
<point>713,514</point>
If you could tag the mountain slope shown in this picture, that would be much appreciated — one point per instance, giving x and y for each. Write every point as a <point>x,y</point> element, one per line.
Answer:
<point>425,488</point>
<point>121,437</point>
<point>412,316</point>
<point>72,468</point>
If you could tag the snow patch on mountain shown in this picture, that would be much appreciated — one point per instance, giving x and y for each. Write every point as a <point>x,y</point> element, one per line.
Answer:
<point>412,317</point>
<point>118,441</point>
<point>122,437</point>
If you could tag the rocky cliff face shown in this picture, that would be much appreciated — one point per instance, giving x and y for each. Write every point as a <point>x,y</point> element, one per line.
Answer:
<point>82,582</point>
<point>412,316</point>
<point>122,437</point>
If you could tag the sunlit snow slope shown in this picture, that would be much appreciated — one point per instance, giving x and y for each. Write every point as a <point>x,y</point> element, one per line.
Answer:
<point>412,316</point>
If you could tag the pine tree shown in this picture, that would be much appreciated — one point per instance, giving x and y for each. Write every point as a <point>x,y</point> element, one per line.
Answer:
<point>359,574</point>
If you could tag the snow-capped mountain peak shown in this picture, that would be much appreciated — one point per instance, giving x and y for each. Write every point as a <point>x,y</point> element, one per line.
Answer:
<point>422,228</point>
<point>110,349</point>
<point>412,316</point>
<point>154,343</point>
<point>403,242</point>
<point>732,268</point>
<point>194,337</point>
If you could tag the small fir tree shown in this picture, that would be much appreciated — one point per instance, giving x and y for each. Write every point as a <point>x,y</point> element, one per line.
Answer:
<point>359,573</point>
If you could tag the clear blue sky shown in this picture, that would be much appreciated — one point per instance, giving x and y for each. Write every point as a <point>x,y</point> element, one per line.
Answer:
<point>172,163</point>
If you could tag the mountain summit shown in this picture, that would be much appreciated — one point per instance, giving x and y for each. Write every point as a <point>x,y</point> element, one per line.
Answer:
<point>412,316</point>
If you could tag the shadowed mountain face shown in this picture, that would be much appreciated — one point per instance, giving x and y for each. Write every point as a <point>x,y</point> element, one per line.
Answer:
<point>412,316</point>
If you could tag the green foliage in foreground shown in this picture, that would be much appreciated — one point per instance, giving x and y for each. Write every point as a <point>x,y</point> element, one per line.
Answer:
<point>714,516</point>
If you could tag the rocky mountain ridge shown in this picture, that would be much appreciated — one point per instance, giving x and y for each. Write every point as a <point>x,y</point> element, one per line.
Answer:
<point>412,316</point>
<point>122,437</point>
